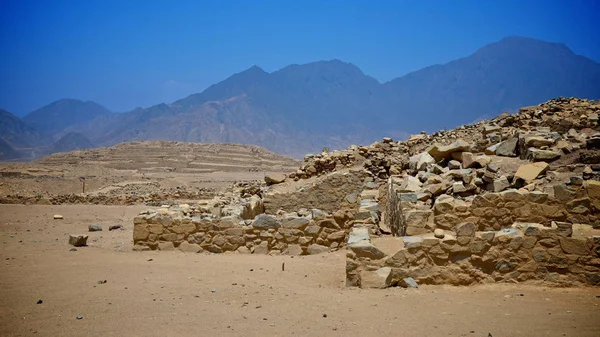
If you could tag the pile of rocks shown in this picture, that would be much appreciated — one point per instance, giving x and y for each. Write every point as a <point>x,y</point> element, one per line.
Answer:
<point>539,133</point>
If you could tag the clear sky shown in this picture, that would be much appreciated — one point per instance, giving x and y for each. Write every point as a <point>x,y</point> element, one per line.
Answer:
<point>129,53</point>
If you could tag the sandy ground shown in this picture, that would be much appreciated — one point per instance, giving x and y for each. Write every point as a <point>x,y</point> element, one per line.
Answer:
<point>178,294</point>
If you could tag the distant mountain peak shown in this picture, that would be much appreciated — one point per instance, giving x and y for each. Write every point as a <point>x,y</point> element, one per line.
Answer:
<point>518,44</point>
<point>57,115</point>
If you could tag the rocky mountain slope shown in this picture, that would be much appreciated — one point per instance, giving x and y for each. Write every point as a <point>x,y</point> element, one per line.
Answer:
<point>300,109</point>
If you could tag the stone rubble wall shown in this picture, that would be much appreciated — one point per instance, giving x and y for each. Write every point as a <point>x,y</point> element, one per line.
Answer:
<point>494,211</point>
<point>530,253</point>
<point>314,232</point>
<point>334,191</point>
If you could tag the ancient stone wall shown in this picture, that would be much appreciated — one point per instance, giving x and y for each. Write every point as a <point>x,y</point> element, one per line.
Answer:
<point>493,211</point>
<point>311,232</point>
<point>525,253</point>
<point>330,193</point>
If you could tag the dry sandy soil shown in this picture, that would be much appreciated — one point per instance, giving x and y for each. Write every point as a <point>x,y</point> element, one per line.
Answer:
<point>174,293</point>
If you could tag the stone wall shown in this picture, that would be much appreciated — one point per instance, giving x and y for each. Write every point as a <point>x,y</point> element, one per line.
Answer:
<point>330,193</point>
<point>524,253</point>
<point>493,211</point>
<point>306,232</point>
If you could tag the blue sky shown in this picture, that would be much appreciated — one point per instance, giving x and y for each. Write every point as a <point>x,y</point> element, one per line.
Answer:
<point>129,53</point>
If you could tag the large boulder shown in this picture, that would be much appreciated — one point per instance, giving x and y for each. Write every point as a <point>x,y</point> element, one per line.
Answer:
<point>274,178</point>
<point>440,152</point>
<point>419,162</point>
<point>507,148</point>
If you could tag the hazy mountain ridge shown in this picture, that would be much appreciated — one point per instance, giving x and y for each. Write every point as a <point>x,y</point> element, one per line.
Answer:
<point>302,108</point>
<point>16,133</point>
<point>63,113</point>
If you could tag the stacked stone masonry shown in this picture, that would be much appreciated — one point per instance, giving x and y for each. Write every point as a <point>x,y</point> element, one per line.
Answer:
<point>312,232</point>
<point>527,252</point>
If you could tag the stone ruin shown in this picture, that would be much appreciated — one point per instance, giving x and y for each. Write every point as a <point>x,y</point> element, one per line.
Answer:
<point>513,199</point>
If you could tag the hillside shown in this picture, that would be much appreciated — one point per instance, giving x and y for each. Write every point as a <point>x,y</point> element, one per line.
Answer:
<point>155,156</point>
<point>72,141</point>
<point>16,133</point>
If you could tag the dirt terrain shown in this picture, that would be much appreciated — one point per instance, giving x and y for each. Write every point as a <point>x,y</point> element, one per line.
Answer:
<point>175,293</point>
<point>140,168</point>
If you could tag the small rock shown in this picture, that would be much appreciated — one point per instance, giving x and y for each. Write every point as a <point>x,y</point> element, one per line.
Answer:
<point>40,302</point>
<point>101,281</point>
<point>78,240</point>
<point>439,233</point>
<point>95,228</point>
<point>576,180</point>
<point>454,165</point>
<point>73,249</point>
<point>115,227</point>
<point>58,217</point>
<point>79,317</point>
<point>409,282</point>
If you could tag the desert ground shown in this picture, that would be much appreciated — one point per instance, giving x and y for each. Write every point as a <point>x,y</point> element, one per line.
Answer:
<point>174,293</point>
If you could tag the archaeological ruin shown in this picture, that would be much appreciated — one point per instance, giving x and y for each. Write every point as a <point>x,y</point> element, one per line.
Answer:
<point>512,199</point>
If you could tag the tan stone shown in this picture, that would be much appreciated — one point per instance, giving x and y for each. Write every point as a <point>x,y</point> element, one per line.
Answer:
<point>294,249</point>
<point>465,229</point>
<point>593,189</point>
<point>275,178</point>
<point>529,172</point>
<point>166,245</point>
<point>574,246</point>
<point>375,279</point>
<point>336,236</point>
<point>184,228</point>
<point>155,229</point>
<point>262,248</point>
<point>439,152</point>
<point>189,247</point>
<point>140,233</point>
<point>418,222</point>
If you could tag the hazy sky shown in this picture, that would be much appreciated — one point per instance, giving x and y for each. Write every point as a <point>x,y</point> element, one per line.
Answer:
<point>129,53</point>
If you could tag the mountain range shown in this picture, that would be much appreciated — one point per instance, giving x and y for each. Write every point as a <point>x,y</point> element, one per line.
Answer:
<point>303,108</point>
